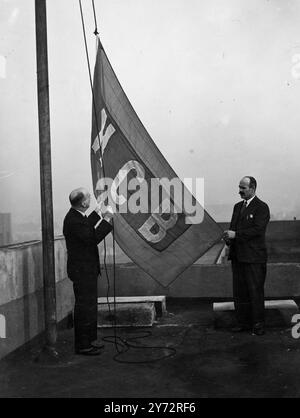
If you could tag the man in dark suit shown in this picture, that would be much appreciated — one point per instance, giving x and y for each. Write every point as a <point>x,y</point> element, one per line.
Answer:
<point>248,255</point>
<point>83,234</point>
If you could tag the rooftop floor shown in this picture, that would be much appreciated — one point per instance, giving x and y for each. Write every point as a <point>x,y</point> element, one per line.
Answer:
<point>206,362</point>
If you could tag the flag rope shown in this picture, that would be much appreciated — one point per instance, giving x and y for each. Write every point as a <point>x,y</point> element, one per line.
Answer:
<point>100,146</point>
<point>118,341</point>
<point>95,19</point>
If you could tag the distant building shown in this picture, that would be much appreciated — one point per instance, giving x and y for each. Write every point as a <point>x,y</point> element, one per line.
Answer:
<point>5,229</point>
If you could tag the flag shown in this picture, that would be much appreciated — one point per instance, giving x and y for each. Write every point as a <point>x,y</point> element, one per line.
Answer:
<point>154,229</point>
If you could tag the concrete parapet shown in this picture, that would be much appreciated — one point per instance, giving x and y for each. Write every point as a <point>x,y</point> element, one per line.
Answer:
<point>202,281</point>
<point>21,269</point>
<point>21,292</point>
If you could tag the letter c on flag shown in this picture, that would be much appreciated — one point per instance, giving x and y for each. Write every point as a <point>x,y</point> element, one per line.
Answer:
<point>120,177</point>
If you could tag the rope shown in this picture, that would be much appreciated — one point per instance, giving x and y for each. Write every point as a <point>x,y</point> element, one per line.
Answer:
<point>95,19</point>
<point>118,341</point>
<point>113,317</point>
<point>97,126</point>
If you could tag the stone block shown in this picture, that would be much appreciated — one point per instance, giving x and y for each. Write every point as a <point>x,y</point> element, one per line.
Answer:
<point>278,313</point>
<point>126,314</point>
<point>159,301</point>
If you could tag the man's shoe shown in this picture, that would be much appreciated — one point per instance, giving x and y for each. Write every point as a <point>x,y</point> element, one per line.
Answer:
<point>91,351</point>
<point>97,344</point>
<point>241,328</point>
<point>258,331</point>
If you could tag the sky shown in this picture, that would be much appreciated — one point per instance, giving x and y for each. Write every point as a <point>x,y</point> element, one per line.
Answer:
<point>215,82</point>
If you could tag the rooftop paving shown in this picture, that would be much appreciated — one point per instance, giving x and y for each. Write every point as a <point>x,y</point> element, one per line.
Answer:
<point>184,356</point>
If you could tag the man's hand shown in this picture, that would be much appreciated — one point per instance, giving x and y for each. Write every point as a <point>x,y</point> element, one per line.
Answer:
<point>227,241</point>
<point>108,213</point>
<point>98,208</point>
<point>228,235</point>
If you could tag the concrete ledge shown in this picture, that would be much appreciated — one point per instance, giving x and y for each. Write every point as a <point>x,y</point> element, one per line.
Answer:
<point>269,304</point>
<point>278,313</point>
<point>159,301</point>
<point>126,315</point>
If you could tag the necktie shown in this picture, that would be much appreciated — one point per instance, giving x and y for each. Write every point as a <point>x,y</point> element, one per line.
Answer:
<point>244,206</point>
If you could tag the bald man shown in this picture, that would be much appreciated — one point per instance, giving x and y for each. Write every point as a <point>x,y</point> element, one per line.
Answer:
<point>248,255</point>
<point>83,234</point>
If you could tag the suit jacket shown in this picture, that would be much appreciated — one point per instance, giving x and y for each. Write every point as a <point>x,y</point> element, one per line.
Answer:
<point>82,239</point>
<point>249,245</point>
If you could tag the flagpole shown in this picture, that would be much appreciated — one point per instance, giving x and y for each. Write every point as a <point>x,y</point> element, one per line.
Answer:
<point>45,179</point>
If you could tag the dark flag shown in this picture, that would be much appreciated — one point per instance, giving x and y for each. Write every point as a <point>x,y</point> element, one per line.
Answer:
<point>163,231</point>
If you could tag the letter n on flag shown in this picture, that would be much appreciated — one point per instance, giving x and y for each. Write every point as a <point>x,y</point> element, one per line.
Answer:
<point>162,244</point>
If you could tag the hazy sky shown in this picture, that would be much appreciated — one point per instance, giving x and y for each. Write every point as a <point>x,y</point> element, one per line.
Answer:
<point>215,82</point>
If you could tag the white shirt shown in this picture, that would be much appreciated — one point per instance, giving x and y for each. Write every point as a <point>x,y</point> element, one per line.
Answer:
<point>249,201</point>
<point>82,213</point>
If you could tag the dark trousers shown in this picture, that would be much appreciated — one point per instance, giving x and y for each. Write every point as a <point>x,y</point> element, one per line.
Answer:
<point>248,292</point>
<point>85,312</point>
